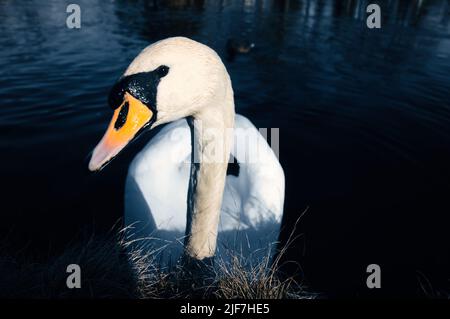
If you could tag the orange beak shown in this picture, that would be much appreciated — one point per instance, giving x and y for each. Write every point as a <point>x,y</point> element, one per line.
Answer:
<point>128,120</point>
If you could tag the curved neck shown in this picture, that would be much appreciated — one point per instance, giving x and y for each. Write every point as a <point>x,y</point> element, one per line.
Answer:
<point>211,136</point>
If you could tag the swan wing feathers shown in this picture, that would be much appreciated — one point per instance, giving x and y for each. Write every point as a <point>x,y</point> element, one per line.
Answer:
<point>157,182</point>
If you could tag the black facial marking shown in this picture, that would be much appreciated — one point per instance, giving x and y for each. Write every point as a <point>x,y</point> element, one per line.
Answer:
<point>122,117</point>
<point>162,71</point>
<point>143,86</point>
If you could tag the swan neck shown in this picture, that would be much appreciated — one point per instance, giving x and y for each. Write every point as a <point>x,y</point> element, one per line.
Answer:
<point>211,135</point>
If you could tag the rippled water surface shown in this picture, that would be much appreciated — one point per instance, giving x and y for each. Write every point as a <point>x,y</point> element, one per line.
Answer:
<point>364,118</point>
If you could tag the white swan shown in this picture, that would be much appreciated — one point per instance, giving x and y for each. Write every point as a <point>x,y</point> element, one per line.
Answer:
<point>171,193</point>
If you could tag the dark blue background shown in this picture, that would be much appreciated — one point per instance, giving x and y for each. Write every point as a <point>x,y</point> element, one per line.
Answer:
<point>363,115</point>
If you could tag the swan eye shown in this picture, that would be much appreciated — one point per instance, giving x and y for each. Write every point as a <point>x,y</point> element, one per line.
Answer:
<point>122,117</point>
<point>162,71</point>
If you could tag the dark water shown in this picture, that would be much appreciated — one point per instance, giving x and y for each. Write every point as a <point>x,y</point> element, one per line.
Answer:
<point>364,118</point>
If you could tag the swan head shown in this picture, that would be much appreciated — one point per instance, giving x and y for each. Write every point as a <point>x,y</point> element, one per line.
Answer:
<point>169,80</point>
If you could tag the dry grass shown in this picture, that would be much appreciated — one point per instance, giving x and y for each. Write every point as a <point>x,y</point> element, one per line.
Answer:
<point>258,282</point>
<point>111,269</point>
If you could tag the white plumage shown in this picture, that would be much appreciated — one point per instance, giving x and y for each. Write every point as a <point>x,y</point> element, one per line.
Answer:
<point>169,81</point>
<point>252,205</point>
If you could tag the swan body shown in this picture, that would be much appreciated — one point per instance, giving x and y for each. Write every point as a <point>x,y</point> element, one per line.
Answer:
<point>252,204</point>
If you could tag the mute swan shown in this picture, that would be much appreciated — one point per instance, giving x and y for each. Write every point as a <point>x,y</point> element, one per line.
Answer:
<point>177,186</point>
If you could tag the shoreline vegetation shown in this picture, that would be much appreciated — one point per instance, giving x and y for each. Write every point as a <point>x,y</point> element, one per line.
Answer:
<point>113,268</point>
